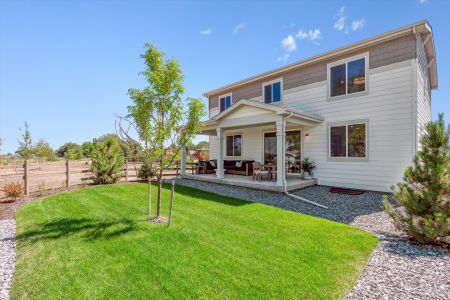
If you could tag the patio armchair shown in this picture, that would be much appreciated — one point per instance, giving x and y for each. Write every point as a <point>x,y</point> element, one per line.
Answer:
<point>259,172</point>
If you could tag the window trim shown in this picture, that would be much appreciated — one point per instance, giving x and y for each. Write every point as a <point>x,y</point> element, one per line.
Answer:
<point>224,96</point>
<point>225,144</point>
<point>346,124</point>
<point>345,61</point>
<point>264,84</point>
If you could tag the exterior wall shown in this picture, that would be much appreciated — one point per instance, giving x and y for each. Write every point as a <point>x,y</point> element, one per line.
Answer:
<point>388,109</point>
<point>423,89</point>
<point>390,52</point>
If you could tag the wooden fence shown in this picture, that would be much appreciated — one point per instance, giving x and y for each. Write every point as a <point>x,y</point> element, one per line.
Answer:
<point>39,177</point>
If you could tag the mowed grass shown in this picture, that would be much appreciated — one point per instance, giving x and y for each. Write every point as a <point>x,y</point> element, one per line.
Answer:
<point>96,243</point>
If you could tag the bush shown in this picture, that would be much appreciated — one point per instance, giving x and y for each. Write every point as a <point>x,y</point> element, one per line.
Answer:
<point>13,189</point>
<point>70,151</point>
<point>145,172</point>
<point>424,196</point>
<point>107,161</point>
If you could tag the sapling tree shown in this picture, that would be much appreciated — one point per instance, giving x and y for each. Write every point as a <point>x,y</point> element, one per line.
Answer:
<point>162,124</point>
<point>424,195</point>
<point>25,149</point>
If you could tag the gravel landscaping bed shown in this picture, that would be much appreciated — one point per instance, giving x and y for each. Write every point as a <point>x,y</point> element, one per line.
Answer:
<point>397,269</point>
<point>7,256</point>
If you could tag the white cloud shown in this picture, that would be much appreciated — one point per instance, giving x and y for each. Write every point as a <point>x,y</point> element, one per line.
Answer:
<point>283,57</point>
<point>340,22</point>
<point>206,31</point>
<point>238,27</point>
<point>289,44</point>
<point>340,19</point>
<point>311,35</point>
<point>357,24</point>
<point>290,25</point>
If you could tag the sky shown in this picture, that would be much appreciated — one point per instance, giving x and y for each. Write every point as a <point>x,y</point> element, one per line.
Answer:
<point>66,66</point>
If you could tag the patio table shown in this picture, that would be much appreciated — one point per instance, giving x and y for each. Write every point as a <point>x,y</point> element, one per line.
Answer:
<point>272,168</point>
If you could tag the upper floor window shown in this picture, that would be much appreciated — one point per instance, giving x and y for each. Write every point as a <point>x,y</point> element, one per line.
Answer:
<point>348,77</point>
<point>272,91</point>
<point>348,140</point>
<point>225,101</point>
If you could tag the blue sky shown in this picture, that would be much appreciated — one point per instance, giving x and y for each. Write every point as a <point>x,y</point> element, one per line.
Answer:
<point>66,66</point>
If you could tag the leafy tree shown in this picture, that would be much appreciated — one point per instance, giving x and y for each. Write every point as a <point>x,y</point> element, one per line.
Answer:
<point>424,196</point>
<point>107,161</point>
<point>157,115</point>
<point>43,150</point>
<point>70,151</point>
<point>87,148</point>
<point>132,150</point>
<point>202,145</point>
<point>25,149</point>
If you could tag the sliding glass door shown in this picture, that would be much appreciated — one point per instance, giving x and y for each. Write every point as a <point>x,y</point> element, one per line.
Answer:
<point>293,150</point>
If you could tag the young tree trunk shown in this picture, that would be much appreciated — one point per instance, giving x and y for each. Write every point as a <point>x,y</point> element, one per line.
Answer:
<point>149,197</point>
<point>158,207</point>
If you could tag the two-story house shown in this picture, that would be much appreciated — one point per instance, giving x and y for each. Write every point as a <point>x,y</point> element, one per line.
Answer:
<point>357,111</point>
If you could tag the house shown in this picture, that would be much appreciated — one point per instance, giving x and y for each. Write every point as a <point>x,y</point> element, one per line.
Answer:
<point>357,111</point>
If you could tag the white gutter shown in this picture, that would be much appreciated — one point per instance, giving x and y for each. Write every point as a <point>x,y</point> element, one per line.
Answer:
<point>284,177</point>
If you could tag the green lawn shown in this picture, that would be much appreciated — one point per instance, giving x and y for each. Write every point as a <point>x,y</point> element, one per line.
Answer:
<point>95,243</point>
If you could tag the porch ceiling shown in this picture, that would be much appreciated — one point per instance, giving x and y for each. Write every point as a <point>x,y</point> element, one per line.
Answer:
<point>247,113</point>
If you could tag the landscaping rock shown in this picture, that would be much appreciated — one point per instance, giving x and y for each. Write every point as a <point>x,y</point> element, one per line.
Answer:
<point>7,256</point>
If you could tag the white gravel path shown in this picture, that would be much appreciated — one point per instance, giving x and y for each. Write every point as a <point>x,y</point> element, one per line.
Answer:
<point>7,256</point>
<point>397,269</point>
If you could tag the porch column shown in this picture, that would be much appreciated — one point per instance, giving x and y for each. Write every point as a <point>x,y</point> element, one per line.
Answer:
<point>281,170</point>
<point>219,150</point>
<point>183,161</point>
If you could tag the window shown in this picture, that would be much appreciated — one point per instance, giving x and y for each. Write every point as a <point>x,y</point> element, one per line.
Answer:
<point>225,102</point>
<point>272,92</point>
<point>233,145</point>
<point>348,77</point>
<point>349,141</point>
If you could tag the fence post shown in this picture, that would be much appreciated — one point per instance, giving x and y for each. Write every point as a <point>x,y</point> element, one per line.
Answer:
<point>67,173</point>
<point>26,177</point>
<point>126,169</point>
<point>171,202</point>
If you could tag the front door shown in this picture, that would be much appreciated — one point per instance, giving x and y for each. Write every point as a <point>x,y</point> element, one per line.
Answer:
<point>293,149</point>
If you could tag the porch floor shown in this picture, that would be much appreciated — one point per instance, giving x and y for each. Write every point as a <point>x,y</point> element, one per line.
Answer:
<point>293,182</point>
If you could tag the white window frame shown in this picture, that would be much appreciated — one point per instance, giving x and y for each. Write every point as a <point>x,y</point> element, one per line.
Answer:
<point>346,61</point>
<point>233,134</point>
<point>224,96</point>
<point>264,84</point>
<point>346,124</point>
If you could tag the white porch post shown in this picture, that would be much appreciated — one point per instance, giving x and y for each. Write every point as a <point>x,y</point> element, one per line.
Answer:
<point>281,170</point>
<point>183,160</point>
<point>219,170</point>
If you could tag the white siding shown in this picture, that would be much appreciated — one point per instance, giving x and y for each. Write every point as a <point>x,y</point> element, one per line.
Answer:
<point>388,109</point>
<point>423,89</point>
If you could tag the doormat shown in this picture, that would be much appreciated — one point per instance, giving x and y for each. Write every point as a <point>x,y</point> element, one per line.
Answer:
<point>345,191</point>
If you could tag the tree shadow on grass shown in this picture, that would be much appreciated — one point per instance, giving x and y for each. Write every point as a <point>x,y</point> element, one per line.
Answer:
<point>209,196</point>
<point>86,229</point>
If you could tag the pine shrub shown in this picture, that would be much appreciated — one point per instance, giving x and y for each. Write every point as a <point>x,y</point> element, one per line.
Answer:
<point>107,161</point>
<point>424,214</point>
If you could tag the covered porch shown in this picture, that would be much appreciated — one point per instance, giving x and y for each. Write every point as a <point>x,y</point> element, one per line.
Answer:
<point>254,132</point>
<point>292,182</point>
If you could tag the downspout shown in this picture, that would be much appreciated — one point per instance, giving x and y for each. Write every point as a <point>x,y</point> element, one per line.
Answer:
<point>284,177</point>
